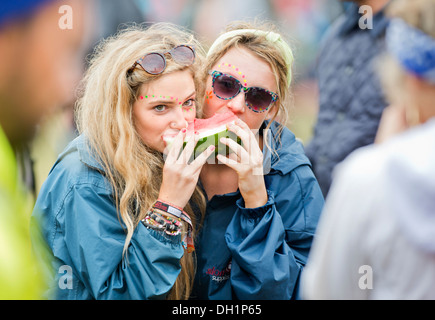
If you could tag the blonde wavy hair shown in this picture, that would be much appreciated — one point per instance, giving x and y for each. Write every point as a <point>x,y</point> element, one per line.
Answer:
<point>104,115</point>
<point>259,45</point>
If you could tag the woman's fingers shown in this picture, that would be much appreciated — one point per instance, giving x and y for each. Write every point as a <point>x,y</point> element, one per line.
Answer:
<point>176,146</point>
<point>202,158</point>
<point>248,138</point>
<point>230,161</point>
<point>246,159</point>
<point>186,154</point>
<point>238,150</point>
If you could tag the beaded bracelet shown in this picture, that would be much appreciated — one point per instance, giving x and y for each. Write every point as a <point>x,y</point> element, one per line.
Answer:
<point>180,214</point>
<point>151,221</point>
<point>167,218</point>
<point>157,220</point>
<point>171,226</point>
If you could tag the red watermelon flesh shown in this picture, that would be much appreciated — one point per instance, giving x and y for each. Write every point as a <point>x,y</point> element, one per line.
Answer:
<point>217,123</point>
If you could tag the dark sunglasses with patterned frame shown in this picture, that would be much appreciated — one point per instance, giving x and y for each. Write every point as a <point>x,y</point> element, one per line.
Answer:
<point>227,87</point>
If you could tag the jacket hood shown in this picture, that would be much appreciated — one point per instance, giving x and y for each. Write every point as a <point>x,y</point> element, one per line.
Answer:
<point>289,153</point>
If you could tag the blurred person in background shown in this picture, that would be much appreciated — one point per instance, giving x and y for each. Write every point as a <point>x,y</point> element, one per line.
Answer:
<point>40,64</point>
<point>350,99</point>
<point>211,16</point>
<point>108,16</point>
<point>376,234</point>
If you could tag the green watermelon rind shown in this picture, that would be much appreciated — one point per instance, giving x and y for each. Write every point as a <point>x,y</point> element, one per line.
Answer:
<point>214,139</point>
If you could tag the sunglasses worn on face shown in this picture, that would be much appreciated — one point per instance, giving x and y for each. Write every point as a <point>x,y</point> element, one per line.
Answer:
<point>155,62</point>
<point>227,87</point>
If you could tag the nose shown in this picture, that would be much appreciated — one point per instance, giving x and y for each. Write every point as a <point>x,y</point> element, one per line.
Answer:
<point>237,104</point>
<point>178,120</point>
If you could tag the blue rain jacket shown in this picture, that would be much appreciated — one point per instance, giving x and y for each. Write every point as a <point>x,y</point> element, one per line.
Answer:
<point>81,227</point>
<point>259,253</point>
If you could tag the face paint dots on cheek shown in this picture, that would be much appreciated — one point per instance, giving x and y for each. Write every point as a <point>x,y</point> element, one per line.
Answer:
<point>209,95</point>
<point>229,65</point>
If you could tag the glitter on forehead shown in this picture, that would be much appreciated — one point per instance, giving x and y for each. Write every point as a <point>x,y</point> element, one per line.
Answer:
<point>177,100</point>
<point>224,64</point>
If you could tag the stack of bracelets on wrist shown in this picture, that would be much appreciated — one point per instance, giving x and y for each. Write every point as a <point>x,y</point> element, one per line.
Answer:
<point>156,220</point>
<point>167,218</point>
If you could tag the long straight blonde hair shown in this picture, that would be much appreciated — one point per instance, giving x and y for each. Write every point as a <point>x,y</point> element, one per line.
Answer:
<point>104,116</point>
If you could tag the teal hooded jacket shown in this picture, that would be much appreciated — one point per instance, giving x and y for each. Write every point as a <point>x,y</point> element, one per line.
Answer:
<point>79,222</point>
<point>259,253</point>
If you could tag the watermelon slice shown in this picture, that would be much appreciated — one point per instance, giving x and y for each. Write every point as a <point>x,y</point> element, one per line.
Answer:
<point>210,131</point>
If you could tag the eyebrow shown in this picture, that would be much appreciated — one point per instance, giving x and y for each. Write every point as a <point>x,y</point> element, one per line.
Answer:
<point>168,99</point>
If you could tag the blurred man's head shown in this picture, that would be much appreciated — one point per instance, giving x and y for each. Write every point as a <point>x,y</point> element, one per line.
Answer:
<point>40,63</point>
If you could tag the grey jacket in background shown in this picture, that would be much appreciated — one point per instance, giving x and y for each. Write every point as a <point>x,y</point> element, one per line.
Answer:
<point>350,96</point>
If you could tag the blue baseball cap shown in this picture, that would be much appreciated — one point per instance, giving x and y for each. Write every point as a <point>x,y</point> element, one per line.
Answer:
<point>11,10</point>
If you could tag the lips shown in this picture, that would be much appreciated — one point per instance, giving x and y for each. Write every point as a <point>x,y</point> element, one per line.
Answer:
<point>170,134</point>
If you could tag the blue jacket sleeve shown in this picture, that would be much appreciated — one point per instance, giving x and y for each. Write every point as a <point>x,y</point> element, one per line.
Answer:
<point>270,244</point>
<point>94,239</point>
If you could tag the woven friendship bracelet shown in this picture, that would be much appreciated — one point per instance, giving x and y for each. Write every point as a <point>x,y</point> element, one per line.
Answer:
<point>174,210</point>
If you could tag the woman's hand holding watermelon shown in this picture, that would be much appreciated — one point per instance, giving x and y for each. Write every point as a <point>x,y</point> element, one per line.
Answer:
<point>179,176</point>
<point>247,161</point>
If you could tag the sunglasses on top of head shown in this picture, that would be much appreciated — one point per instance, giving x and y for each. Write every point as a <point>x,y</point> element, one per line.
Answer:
<point>227,87</point>
<point>155,62</point>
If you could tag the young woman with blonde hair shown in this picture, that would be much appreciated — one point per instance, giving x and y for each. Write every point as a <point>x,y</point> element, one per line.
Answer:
<point>263,200</point>
<point>116,207</point>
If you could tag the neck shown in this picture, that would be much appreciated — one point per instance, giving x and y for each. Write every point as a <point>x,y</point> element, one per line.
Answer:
<point>218,179</point>
<point>427,109</point>
<point>214,167</point>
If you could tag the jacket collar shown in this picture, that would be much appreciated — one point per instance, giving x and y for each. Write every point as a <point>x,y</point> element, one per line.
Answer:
<point>289,151</point>
<point>86,155</point>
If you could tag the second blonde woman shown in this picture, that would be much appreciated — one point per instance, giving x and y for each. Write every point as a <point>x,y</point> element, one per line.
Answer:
<point>263,200</point>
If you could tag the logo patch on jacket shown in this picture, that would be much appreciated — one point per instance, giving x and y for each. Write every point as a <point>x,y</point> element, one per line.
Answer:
<point>219,275</point>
